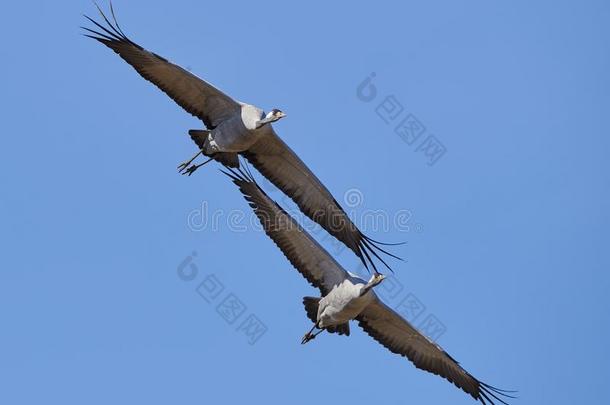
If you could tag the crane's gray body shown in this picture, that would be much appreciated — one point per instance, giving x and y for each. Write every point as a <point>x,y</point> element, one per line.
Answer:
<point>238,132</point>
<point>344,302</point>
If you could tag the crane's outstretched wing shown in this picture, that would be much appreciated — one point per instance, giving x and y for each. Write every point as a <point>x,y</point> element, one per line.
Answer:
<point>197,97</point>
<point>388,328</point>
<point>305,254</point>
<point>278,163</point>
<point>271,156</point>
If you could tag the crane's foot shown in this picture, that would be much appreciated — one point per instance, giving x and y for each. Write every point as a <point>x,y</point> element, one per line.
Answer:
<point>184,165</point>
<point>308,336</point>
<point>191,169</point>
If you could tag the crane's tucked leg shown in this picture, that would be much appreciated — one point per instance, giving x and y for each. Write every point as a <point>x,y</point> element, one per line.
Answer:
<point>207,146</point>
<point>200,136</point>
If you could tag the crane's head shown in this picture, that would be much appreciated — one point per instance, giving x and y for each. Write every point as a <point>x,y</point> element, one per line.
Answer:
<point>376,279</point>
<point>271,116</point>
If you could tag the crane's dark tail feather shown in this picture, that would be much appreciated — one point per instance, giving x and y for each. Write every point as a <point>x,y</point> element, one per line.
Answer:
<point>311,308</point>
<point>342,329</point>
<point>228,159</point>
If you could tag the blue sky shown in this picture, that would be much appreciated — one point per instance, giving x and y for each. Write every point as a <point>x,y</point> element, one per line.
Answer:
<point>102,300</point>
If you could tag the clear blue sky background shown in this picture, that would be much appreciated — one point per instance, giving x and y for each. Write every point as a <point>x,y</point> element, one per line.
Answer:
<point>509,230</point>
